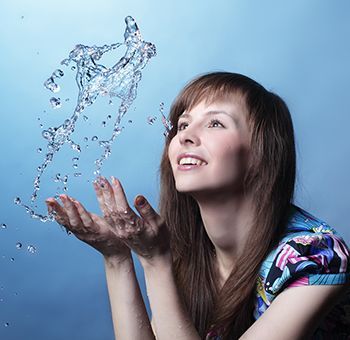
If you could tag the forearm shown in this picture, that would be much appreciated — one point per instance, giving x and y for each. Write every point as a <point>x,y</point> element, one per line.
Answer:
<point>130,319</point>
<point>169,316</point>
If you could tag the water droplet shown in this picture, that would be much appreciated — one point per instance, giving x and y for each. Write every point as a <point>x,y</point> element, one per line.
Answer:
<point>104,124</point>
<point>110,102</point>
<point>6,324</point>
<point>161,107</point>
<point>12,259</point>
<point>66,100</point>
<point>109,117</point>
<point>65,62</point>
<point>3,226</point>
<point>57,177</point>
<point>130,121</point>
<point>51,85</point>
<point>31,249</point>
<point>17,200</point>
<point>75,166</point>
<point>55,103</point>
<point>94,138</point>
<point>167,124</point>
<point>39,150</point>
<point>151,120</point>
<point>18,245</point>
<point>86,139</point>
<point>75,159</point>
<point>58,73</point>
<point>85,118</point>
<point>77,174</point>
<point>73,68</point>
<point>41,126</point>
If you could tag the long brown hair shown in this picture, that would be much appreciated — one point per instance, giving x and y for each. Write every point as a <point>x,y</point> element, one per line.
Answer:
<point>270,178</point>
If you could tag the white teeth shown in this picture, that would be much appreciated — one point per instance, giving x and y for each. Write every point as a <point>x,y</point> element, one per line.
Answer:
<point>191,161</point>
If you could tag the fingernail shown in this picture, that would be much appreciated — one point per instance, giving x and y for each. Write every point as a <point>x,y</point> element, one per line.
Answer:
<point>140,201</point>
<point>101,181</point>
<point>63,198</point>
<point>115,181</point>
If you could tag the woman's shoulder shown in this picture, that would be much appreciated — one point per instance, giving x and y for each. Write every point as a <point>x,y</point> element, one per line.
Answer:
<point>303,222</point>
<point>310,253</point>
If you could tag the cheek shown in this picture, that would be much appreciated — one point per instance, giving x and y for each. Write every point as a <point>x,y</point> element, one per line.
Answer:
<point>233,156</point>
<point>172,151</point>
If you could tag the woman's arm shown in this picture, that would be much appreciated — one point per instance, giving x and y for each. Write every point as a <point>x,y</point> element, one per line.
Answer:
<point>170,319</point>
<point>148,236</point>
<point>296,313</point>
<point>130,319</point>
<point>129,315</point>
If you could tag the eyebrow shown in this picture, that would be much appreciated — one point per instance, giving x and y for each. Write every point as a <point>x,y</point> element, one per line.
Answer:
<point>211,113</point>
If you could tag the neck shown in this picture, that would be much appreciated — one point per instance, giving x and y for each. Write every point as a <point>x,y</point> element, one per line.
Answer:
<point>227,221</point>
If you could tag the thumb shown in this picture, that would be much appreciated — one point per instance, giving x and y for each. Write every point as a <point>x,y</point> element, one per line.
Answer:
<point>146,211</point>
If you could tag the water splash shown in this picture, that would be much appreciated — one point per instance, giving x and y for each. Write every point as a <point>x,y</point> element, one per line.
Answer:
<point>166,122</point>
<point>31,249</point>
<point>94,79</point>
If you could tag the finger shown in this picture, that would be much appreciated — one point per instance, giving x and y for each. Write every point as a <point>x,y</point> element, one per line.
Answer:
<point>100,198</point>
<point>123,208</point>
<point>71,210</point>
<point>119,196</point>
<point>83,213</point>
<point>60,214</point>
<point>146,211</point>
<point>108,195</point>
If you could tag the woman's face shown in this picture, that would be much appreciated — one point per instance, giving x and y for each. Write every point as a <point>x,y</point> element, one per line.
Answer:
<point>209,153</point>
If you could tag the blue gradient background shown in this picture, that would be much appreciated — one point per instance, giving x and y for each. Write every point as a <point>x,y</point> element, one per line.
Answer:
<point>299,49</point>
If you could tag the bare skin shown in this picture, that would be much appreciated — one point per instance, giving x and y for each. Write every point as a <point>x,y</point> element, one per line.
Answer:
<point>114,235</point>
<point>120,228</point>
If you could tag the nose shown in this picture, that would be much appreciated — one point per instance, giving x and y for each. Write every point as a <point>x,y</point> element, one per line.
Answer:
<point>189,136</point>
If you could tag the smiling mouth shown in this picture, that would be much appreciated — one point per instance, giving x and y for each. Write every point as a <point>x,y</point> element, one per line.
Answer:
<point>189,163</point>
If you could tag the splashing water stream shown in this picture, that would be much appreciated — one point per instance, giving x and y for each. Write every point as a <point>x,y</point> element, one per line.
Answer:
<point>93,79</point>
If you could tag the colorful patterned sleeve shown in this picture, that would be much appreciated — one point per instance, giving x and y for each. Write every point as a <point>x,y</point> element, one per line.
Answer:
<point>310,259</point>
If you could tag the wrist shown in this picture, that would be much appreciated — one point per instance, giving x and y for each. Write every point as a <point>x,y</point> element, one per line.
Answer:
<point>158,262</point>
<point>114,261</point>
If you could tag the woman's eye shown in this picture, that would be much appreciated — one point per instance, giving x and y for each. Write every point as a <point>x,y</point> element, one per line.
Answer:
<point>181,126</point>
<point>215,123</point>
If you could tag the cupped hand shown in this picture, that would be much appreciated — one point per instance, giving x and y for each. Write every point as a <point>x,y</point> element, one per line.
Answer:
<point>147,235</point>
<point>88,227</point>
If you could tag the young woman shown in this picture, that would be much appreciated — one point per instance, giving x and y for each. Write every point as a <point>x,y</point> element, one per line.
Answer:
<point>229,256</point>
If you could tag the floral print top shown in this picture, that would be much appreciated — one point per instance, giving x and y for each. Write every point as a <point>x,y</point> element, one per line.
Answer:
<point>309,253</point>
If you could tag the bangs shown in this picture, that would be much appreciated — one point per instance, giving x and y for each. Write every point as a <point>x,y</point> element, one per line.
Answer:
<point>217,86</point>
<point>204,90</point>
<point>209,89</point>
